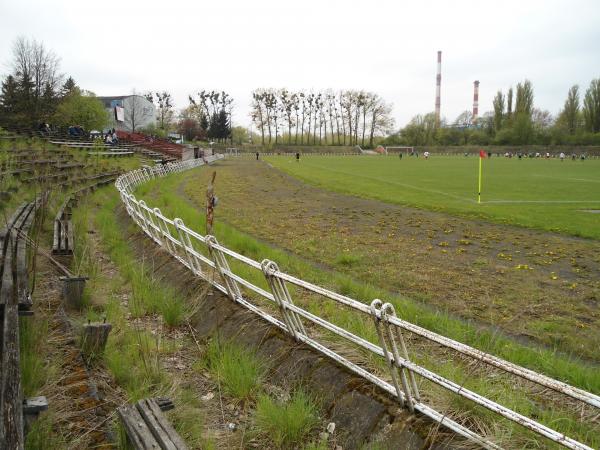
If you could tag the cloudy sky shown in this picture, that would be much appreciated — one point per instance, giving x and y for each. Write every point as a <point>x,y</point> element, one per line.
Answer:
<point>112,47</point>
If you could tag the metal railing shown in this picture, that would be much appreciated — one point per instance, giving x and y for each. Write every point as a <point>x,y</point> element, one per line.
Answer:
<point>203,254</point>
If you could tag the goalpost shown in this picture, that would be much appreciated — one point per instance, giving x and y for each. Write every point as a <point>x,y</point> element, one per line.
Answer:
<point>396,150</point>
<point>232,151</point>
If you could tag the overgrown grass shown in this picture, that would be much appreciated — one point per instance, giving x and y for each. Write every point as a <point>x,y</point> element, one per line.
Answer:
<point>286,423</point>
<point>133,354</point>
<point>133,357</point>
<point>149,295</point>
<point>33,371</point>
<point>42,435</point>
<point>238,368</point>
<point>163,193</point>
<point>550,362</point>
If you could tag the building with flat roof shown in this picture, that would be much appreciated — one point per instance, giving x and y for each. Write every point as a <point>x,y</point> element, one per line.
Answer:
<point>129,112</point>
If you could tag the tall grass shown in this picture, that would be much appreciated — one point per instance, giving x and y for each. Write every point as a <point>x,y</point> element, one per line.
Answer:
<point>133,354</point>
<point>286,423</point>
<point>238,368</point>
<point>33,371</point>
<point>149,295</point>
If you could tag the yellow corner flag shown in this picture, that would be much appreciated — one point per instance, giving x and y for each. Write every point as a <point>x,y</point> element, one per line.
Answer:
<point>482,155</point>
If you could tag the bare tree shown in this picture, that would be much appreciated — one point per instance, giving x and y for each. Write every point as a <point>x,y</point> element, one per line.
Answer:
<point>381,118</point>
<point>258,112</point>
<point>165,109</point>
<point>36,70</point>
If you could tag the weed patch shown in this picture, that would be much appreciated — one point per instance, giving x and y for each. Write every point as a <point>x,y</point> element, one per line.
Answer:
<point>286,423</point>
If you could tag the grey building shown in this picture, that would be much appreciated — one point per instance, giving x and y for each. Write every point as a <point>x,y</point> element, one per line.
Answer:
<point>129,112</point>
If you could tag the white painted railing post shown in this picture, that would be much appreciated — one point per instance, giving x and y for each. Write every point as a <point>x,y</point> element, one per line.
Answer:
<point>194,262</point>
<point>222,266</point>
<point>134,207</point>
<point>395,335</point>
<point>387,339</point>
<point>155,229</point>
<point>283,298</point>
<point>164,230</point>
<point>141,206</point>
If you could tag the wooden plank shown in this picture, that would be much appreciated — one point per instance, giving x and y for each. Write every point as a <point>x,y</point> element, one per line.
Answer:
<point>137,430</point>
<point>160,427</point>
<point>11,405</point>
<point>70,240</point>
<point>56,242</point>
<point>23,297</point>
<point>63,236</point>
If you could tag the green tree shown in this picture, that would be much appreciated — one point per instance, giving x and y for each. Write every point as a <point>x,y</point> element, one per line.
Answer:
<point>81,109</point>
<point>420,131</point>
<point>591,107</point>
<point>522,129</point>
<point>9,97</point>
<point>524,98</point>
<point>569,116</point>
<point>69,87</point>
<point>239,135</point>
<point>498,104</point>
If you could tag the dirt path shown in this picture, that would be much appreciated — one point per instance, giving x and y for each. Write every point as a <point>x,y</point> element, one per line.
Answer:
<point>81,400</point>
<point>534,285</point>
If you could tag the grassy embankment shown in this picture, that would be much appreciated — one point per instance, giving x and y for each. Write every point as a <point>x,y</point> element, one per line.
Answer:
<point>536,193</point>
<point>162,194</point>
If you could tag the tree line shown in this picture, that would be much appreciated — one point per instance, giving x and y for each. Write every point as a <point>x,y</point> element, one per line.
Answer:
<point>208,116</point>
<point>35,92</point>
<point>346,117</point>
<point>513,120</point>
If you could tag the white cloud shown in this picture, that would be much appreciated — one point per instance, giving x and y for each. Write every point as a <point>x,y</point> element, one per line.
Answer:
<point>390,47</point>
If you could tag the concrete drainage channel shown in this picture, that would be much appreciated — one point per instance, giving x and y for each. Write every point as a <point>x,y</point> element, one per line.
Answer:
<point>362,413</point>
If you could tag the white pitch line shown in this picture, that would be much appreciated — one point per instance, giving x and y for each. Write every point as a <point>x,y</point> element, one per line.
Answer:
<point>542,201</point>
<point>567,179</point>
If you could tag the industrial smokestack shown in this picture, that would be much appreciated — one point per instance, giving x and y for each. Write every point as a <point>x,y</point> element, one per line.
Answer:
<point>438,88</point>
<point>475,100</point>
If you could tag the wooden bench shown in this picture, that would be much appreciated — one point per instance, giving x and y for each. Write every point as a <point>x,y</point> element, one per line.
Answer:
<point>63,230</point>
<point>63,239</point>
<point>14,299</point>
<point>112,154</point>
<point>147,427</point>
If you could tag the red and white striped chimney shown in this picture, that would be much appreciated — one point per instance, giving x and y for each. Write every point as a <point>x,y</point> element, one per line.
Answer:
<point>475,100</point>
<point>438,88</point>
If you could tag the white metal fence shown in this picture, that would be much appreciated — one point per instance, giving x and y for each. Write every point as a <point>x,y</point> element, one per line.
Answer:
<point>202,254</point>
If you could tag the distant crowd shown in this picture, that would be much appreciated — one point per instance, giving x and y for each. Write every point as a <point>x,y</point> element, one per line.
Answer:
<point>546,155</point>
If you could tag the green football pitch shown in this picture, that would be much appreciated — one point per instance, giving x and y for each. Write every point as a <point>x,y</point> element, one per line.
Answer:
<point>539,193</point>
